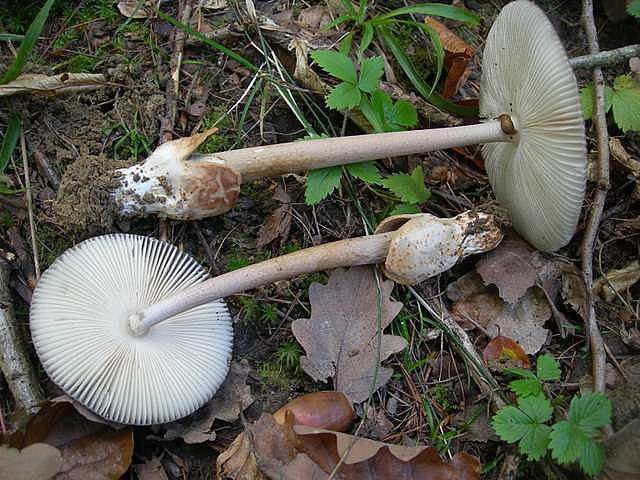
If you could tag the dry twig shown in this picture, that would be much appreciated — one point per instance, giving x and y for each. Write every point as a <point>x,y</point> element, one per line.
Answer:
<point>32,223</point>
<point>598,355</point>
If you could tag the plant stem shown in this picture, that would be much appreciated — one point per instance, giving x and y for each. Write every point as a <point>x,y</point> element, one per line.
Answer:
<point>273,160</point>
<point>367,250</point>
<point>608,57</point>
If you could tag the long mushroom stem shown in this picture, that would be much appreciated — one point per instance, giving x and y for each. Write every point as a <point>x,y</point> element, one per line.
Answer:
<point>273,160</point>
<point>367,250</point>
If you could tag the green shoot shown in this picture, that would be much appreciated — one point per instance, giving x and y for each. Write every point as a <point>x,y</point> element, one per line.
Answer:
<point>623,98</point>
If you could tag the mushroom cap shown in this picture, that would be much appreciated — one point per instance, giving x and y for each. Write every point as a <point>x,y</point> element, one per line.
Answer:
<point>80,329</point>
<point>540,176</point>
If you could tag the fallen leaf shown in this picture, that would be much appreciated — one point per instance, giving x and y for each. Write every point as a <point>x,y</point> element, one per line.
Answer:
<point>524,320</point>
<point>214,4</point>
<point>295,452</point>
<point>476,423</point>
<point>574,290</point>
<point>501,349</point>
<point>468,284</point>
<point>53,85</point>
<point>512,267</point>
<point>457,55</point>
<point>105,455</point>
<point>614,281</point>
<point>341,339</point>
<point>151,470</point>
<point>620,154</point>
<point>478,309</point>
<point>278,223</point>
<point>136,8</point>
<point>622,459</point>
<point>38,461</point>
<point>232,398</point>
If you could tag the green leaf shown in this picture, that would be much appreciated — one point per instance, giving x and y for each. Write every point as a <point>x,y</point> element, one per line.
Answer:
<point>321,183</point>
<point>520,372</point>
<point>408,188</point>
<point>435,9</point>
<point>365,171</point>
<point>336,64</point>
<point>547,368</point>
<point>337,22</point>
<point>27,44</point>
<point>343,96</point>
<point>367,37</point>
<point>371,70</point>
<point>586,100</point>
<point>567,441</point>
<point>590,411</point>
<point>592,457</point>
<point>373,116</point>
<point>403,209</point>
<point>625,100</point>
<point>525,424</point>
<point>9,141</point>
<point>634,8</point>
<point>526,387</point>
<point>345,44</point>
<point>404,114</point>
<point>10,37</point>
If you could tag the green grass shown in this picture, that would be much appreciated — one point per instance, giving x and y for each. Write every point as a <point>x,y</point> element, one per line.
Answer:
<point>221,140</point>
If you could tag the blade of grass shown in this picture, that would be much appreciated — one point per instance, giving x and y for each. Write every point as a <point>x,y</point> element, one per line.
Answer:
<point>10,37</point>
<point>29,41</point>
<point>9,141</point>
<point>437,45</point>
<point>417,82</point>
<point>435,9</point>
<point>212,43</point>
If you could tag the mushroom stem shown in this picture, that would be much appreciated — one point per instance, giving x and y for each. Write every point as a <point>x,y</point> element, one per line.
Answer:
<point>367,250</point>
<point>273,160</point>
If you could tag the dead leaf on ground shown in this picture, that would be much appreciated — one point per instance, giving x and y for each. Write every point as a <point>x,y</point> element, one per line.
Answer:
<point>477,424</point>
<point>278,223</point>
<point>232,398</point>
<point>106,455</point>
<point>151,470</point>
<point>574,290</point>
<point>457,54</point>
<point>620,154</point>
<point>38,461</point>
<point>295,452</point>
<point>615,281</point>
<point>137,8</point>
<point>478,309</point>
<point>622,459</point>
<point>53,85</point>
<point>501,350</point>
<point>341,338</point>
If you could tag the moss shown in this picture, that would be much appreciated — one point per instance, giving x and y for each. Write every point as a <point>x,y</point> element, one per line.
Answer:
<point>220,141</point>
<point>50,244</point>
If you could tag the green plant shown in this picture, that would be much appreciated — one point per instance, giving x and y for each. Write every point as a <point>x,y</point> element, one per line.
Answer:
<point>623,98</point>
<point>576,438</point>
<point>634,8</point>
<point>288,355</point>
<point>131,141</point>
<point>9,141</point>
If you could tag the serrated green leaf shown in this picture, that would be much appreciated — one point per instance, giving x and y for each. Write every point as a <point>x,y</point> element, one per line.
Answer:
<point>367,37</point>
<point>345,44</point>
<point>520,372</point>
<point>404,114</point>
<point>634,8</point>
<point>371,70</point>
<point>590,412</point>
<point>592,458</point>
<point>526,387</point>
<point>586,100</point>
<point>408,188</point>
<point>9,141</point>
<point>404,209</point>
<point>567,441</point>
<point>321,183</point>
<point>525,424</point>
<point>373,116</point>
<point>365,171</point>
<point>336,64</point>
<point>547,368</point>
<point>344,96</point>
<point>625,101</point>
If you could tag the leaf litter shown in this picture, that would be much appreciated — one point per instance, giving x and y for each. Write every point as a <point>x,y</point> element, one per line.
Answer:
<point>341,337</point>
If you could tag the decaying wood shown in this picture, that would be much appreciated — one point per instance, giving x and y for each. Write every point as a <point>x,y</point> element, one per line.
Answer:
<point>14,360</point>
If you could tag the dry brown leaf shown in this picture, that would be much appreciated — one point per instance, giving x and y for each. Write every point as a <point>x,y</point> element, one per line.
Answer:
<point>38,461</point>
<point>622,459</point>
<point>457,54</point>
<point>232,398</point>
<point>151,470</point>
<point>478,309</point>
<point>136,8</point>
<point>102,456</point>
<point>620,154</point>
<point>296,452</point>
<point>278,223</point>
<point>501,350</point>
<point>341,338</point>
<point>54,85</point>
<point>512,267</point>
<point>607,286</point>
<point>574,291</point>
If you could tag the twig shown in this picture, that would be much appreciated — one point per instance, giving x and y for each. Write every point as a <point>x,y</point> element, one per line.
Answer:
<point>14,361</point>
<point>45,169</point>
<point>598,355</point>
<point>32,223</point>
<point>609,57</point>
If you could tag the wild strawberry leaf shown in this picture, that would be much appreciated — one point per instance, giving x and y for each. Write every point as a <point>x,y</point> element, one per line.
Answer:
<point>344,96</point>
<point>408,188</point>
<point>336,64</point>
<point>371,70</point>
<point>547,368</point>
<point>321,183</point>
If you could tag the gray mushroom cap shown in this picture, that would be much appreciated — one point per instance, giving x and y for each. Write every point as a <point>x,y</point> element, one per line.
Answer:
<point>540,176</point>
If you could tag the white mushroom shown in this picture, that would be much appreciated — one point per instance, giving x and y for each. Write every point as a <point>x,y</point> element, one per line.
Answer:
<point>128,326</point>
<point>533,134</point>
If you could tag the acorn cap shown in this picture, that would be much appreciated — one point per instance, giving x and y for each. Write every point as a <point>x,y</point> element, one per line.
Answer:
<point>540,176</point>
<point>80,329</point>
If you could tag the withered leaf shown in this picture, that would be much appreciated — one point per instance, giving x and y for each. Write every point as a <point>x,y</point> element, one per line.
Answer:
<point>341,338</point>
<point>503,349</point>
<point>233,397</point>
<point>106,455</point>
<point>53,85</point>
<point>38,461</point>
<point>151,470</point>
<point>295,452</point>
<point>278,223</point>
<point>618,280</point>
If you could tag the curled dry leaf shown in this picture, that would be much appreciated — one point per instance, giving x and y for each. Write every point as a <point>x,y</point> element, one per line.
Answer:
<point>501,352</point>
<point>38,461</point>
<point>341,338</point>
<point>614,281</point>
<point>620,154</point>
<point>136,8</point>
<point>295,452</point>
<point>278,223</point>
<point>53,85</point>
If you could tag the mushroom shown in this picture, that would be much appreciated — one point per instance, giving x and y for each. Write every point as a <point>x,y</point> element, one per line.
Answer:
<point>533,136</point>
<point>129,327</point>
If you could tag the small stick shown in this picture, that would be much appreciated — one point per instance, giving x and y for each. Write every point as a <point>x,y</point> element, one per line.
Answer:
<point>608,57</point>
<point>46,170</point>
<point>32,223</point>
<point>596,343</point>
